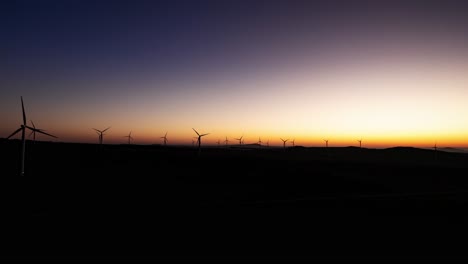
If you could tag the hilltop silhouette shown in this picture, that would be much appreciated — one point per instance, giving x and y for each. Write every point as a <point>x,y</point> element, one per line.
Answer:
<point>163,202</point>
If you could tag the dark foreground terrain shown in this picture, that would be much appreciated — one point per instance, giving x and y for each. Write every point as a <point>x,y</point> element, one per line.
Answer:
<point>81,201</point>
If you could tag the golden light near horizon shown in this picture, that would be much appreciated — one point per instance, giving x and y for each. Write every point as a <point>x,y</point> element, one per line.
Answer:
<point>389,104</point>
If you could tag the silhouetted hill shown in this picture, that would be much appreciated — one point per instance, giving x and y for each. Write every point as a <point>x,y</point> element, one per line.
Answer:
<point>164,202</point>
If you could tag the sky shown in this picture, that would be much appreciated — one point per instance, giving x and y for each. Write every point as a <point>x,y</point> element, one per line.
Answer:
<point>392,73</point>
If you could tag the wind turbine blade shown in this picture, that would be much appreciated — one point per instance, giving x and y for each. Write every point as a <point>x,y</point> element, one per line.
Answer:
<point>24,114</point>
<point>105,129</point>
<point>195,131</point>
<point>97,130</point>
<point>33,124</point>
<point>14,133</point>
<point>47,134</point>
<point>165,134</point>
<point>31,133</point>
<point>204,134</point>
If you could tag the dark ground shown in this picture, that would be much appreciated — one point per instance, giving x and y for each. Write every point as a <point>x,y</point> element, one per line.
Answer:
<point>80,202</point>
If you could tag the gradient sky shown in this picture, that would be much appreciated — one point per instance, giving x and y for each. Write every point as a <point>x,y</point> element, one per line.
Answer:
<point>392,73</point>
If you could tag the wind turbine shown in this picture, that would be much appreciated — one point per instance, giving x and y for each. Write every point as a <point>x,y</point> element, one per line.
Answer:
<point>240,139</point>
<point>23,128</point>
<point>33,132</point>
<point>199,138</point>
<point>259,141</point>
<point>360,142</point>
<point>226,141</point>
<point>292,142</point>
<point>219,142</point>
<point>284,142</point>
<point>326,143</point>
<point>165,139</point>
<point>129,137</point>
<point>101,134</point>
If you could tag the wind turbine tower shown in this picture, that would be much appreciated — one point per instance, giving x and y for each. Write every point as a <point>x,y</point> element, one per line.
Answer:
<point>165,139</point>
<point>240,139</point>
<point>23,128</point>
<point>130,138</point>
<point>199,138</point>
<point>33,132</point>
<point>284,142</point>
<point>101,134</point>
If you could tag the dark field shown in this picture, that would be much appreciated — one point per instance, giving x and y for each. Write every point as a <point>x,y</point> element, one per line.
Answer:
<point>80,201</point>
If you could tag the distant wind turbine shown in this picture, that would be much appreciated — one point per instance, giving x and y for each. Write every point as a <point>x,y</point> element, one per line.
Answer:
<point>284,142</point>
<point>292,142</point>
<point>199,138</point>
<point>360,142</point>
<point>129,137</point>
<point>165,139</point>
<point>226,141</point>
<point>33,132</point>
<point>240,139</point>
<point>101,134</point>
<point>326,143</point>
<point>23,128</point>
<point>259,141</point>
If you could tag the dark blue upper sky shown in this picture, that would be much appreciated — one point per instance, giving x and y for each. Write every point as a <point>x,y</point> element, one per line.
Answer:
<point>98,37</point>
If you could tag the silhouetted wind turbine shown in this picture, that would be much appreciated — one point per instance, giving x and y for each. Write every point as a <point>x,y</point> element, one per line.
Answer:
<point>129,137</point>
<point>101,134</point>
<point>360,142</point>
<point>326,143</point>
<point>23,128</point>
<point>199,138</point>
<point>284,142</point>
<point>240,139</point>
<point>259,141</point>
<point>219,142</point>
<point>226,141</point>
<point>33,132</point>
<point>292,142</point>
<point>165,139</point>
